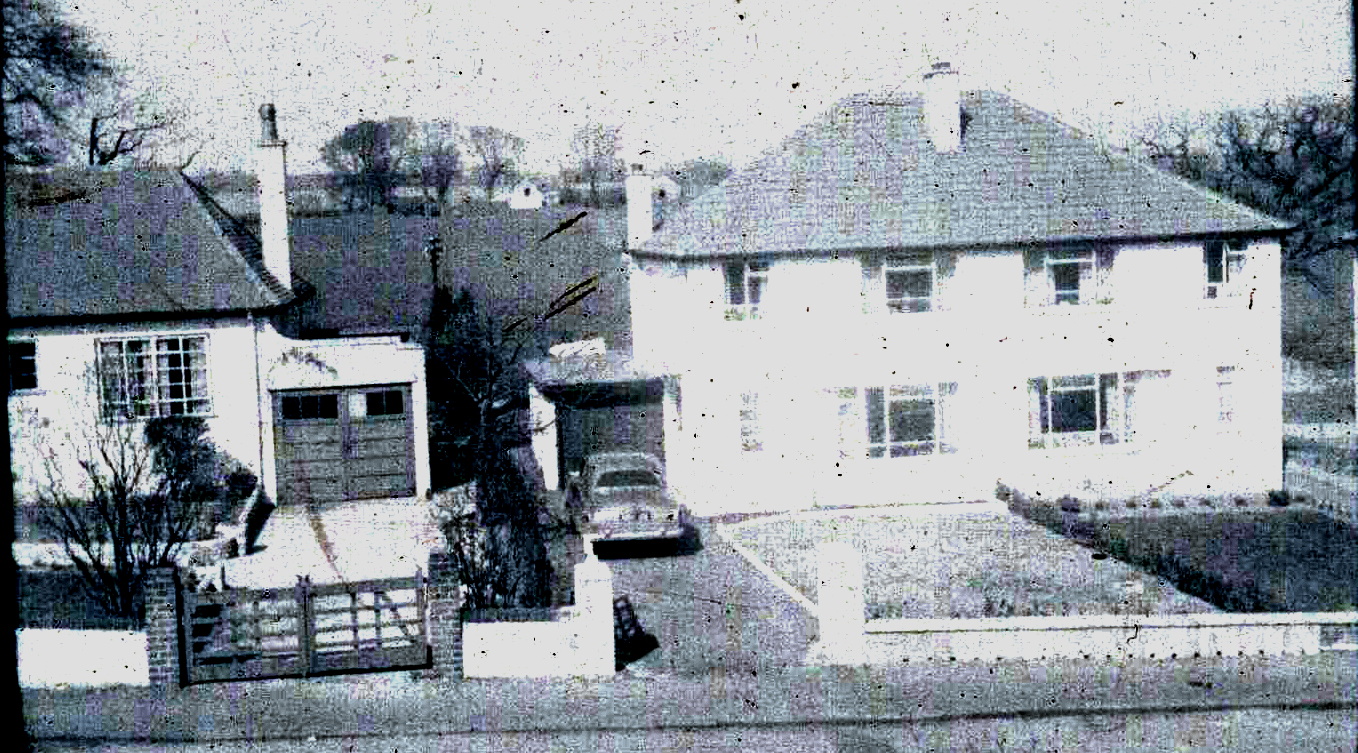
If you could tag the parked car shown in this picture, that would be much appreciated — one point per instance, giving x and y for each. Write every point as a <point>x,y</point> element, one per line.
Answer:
<point>622,496</point>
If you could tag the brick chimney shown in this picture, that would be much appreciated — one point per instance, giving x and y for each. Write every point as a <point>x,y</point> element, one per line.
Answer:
<point>943,108</point>
<point>273,198</point>
<point>640,213</point>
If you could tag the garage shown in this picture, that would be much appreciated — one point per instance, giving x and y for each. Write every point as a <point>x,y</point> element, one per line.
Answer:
<point>608,418</point>
<point>344,443</point>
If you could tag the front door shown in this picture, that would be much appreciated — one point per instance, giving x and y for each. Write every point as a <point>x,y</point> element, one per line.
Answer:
<point>346,443</point>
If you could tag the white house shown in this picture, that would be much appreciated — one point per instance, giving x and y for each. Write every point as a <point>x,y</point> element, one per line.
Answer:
<point>524,195</point>
<point>913,297</point>
<point>135,295</point>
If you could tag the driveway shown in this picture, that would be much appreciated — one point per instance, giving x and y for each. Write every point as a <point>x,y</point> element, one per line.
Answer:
<point>367,539</point>
<point>710,608</point>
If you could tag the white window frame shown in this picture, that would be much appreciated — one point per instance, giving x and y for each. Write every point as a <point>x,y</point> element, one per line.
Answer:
<point>906,263</point>
<point>1234,256</point>
<point>1108,391</point>
<point>856,438</point>
<point>744,301</point>
<point>1093,269</point>
<point>751,435</point>
<point>142,382</point>
<point>1226,394</point>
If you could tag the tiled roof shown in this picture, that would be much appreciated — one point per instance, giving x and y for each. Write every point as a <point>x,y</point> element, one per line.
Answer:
<point>865,175</point>
<point>128,244</point>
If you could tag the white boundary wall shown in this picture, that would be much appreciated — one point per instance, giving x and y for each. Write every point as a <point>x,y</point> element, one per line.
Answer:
<point>847,638</point>
<point>81,658</point>
<point>578,643</point>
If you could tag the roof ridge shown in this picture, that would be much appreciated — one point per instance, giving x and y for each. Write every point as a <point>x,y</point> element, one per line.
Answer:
<point>245,243</point>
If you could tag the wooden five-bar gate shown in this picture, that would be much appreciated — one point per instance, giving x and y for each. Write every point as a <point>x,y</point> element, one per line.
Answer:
<point>248,634</point>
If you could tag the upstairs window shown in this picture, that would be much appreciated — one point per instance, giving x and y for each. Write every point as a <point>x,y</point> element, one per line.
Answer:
<point>154,377</point>
<point>904,282</point>
<point>23,366</point>
<point>1068,277</point>
<point>909,282</point>
<point>1224,264</point>
<point>746,282</point>
<point>893,421</point>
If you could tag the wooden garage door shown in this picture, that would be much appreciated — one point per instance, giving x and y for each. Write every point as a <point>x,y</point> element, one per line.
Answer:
<point>353,443</point>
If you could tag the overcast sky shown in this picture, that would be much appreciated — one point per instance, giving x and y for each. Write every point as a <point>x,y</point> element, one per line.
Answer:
<point>694,78</point>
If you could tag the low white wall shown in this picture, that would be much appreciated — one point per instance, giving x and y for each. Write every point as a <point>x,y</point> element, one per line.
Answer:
<point>524,649</point>
<point>578,643</point>
<point>1100,636</point>
<point>82,658</point>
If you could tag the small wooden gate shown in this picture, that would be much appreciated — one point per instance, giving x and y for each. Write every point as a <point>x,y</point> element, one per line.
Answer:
<point>253,634</point>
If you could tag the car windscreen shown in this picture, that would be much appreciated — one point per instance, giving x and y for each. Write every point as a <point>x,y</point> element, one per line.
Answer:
<point>638,477</point>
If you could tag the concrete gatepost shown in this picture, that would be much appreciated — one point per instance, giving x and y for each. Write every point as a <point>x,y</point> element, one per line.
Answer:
<point>163,647</point>
<point>594,615</point>
<point>445,617</point>
<point>841,607</point>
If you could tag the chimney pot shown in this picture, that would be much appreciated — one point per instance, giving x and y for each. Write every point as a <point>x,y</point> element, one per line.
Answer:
<point>268,122</point>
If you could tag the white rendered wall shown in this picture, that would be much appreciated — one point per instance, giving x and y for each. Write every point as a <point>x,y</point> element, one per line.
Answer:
<point>813,336</point>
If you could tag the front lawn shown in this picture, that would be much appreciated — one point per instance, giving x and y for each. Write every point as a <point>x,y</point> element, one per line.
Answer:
<point>962,566</point>
<point>1291,559</point>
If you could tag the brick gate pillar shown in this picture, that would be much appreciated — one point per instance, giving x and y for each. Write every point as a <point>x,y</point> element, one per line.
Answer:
<point>163,647</point>
<point>445,618</point>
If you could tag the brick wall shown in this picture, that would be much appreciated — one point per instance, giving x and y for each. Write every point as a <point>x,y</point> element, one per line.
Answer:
<point>445,620</point>
<point>162,627</point>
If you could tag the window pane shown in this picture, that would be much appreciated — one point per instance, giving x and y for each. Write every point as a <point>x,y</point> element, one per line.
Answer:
<point>1073,411</point>
<point>329,406</point>
<point>23,370</point>
<point>385,403</point>
<point>912,421</point>
<point>1066,281</point>
<point>909,284</point>
<point>735,284</point>
<point>292,408</point>
<point>876,414</point>
<point>756,290</point>
<point>1214,254</point>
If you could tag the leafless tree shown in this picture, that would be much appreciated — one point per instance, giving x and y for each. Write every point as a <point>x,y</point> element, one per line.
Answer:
<point>478,426</point>
<point>136,499</point>
<point>1292,160</point>
<point>595,151</point>
<point>140,128</point>
<point>497,151</point>
<point>48,66</point>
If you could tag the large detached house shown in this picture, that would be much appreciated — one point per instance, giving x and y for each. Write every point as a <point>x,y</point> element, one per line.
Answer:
<point>135,295</point>
<point>913,297</point>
